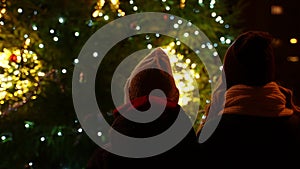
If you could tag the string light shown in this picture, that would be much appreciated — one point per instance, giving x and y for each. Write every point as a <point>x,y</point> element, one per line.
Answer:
<point>293,40</point>
<point>14,87</point>
<point>20,10</point>
<point>61,20</point>
<point>99,134</point>
<point>13,68</point>
<point>55,38</point>
<point>64,71</point>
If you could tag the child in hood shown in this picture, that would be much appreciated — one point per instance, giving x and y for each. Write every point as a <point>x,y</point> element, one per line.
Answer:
<point>152,73</point>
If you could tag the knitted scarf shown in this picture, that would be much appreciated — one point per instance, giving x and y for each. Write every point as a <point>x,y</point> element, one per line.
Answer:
<point>271,100</point>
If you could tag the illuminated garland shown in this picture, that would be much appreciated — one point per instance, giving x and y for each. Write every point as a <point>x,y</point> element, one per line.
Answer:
<point>20,74</point>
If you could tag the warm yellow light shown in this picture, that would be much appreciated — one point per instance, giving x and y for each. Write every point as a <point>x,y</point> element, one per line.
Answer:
<point>293,58</point>
<point>276,10</point>
<point>3,10</point>
<point>27,42</point>
<point>12,87</point>
<point>293,41</point>
<point>96,13</point>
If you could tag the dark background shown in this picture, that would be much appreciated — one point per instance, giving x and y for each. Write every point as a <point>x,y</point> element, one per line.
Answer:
<point>257,15</point>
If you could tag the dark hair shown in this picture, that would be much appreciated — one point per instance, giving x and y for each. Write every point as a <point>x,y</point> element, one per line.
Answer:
<point>250,60</point>
<point>149,79</point>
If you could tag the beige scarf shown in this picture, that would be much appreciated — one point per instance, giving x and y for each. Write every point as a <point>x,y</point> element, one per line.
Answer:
<point>271,100</point>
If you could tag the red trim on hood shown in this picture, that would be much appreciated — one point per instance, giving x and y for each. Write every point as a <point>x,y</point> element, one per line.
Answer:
<point>141,101</point>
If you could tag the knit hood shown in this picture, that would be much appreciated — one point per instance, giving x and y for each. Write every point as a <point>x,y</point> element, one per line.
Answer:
<point>152,72</point>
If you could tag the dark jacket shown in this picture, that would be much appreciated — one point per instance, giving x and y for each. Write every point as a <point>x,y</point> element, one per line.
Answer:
<point>244,141</point>
<point>182,154</point>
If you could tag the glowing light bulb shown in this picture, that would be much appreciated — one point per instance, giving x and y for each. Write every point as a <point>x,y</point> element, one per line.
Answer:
<point>59,133</point>
<point>135,8</point>
<point>64,71</point>
<point>20,10</point>
<point>149,46</point>
<point>55,38</point>
<point>99,133</point>
<point>293,40</point>
<point>61,20</point>
<point>42,139</point>
<point>51,31</point>
<point>95,54</point>
<point>76,34</point>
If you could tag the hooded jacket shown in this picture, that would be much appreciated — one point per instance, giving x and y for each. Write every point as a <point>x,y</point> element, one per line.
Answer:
<point>260,124</point>
<point>153,72</point>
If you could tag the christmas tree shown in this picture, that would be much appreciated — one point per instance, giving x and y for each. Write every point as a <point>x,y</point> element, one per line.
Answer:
<point>39,45</point>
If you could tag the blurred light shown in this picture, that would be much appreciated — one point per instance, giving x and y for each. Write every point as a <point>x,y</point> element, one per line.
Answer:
<point>34,27</point>
<point>55,38</point>
<point>61,20</point>
<point>42,139</point>
<point>176,26</point>
<point>79,130</point>
<point>99,133</point>
<point>157,35</point>
<point>3,138</point>
<point>215,54</point>
<point>293,59</point>
<point>213,14</point>
<point>222,39</point>
<point>76,34</point>
<point>1,23</point>
<point>228,41</point>
<point>135,8</point>
<point>20,10</point>
<point>51,31</point>
<point>41,45</point>
<point>106,17</point>
<point>186,34</point>
<point>219,18</point>
<point>149,46</point>
<point>168,8</point>
<point>276,10</point>
<point>26,36</point>
<point>30,163</point>
<point>226,26</point>
<point>27,125</point>
<point>95,54</point>
<point>138,28</point>
<point>221,68</point>
<point>293,41</point>
<point>76,61</point>
<point>188,61</point>
<point>179,21</point>
<point>131,2</point>
<point>41,74</point>
<point>196,32</point>
<point>59,133</point>
<point>64,71</point>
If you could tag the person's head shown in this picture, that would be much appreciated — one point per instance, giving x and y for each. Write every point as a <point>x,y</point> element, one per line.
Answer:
<point>250,60</point>
<point>153,72</point>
